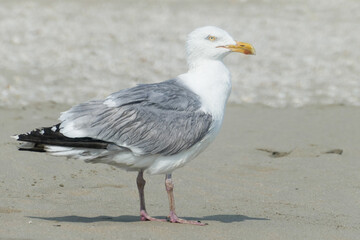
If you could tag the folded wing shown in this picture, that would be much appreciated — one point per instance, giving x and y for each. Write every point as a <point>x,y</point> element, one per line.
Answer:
<point>163,118</point>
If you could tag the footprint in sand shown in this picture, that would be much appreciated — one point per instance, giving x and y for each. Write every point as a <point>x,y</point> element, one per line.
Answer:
<point>312,151</point>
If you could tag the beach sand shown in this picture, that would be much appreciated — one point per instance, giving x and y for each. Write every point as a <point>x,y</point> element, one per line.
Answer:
<point>267,176</point>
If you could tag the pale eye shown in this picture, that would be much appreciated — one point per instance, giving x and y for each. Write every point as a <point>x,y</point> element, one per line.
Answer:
<point>211,38</point>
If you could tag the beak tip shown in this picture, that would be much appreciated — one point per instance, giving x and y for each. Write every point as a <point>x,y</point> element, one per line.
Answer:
<point>244,48</point>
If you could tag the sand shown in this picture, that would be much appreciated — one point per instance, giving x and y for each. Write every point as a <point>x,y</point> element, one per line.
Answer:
<point>267,176</point>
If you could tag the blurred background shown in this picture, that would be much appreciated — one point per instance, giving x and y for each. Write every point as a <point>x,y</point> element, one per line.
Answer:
<point>308,52</point>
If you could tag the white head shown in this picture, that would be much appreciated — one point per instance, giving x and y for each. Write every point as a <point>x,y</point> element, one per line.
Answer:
<point>213,43</point>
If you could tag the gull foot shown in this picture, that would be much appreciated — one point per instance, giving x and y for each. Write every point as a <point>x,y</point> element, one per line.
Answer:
<point>145,217</point>
<point>175,219</point>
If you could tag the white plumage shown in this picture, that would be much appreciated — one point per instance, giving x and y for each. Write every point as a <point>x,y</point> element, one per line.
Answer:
<point>155,127</point>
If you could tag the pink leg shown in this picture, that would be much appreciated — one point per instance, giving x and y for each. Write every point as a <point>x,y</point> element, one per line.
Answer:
<point>143,214</point>
<point>172,216</point>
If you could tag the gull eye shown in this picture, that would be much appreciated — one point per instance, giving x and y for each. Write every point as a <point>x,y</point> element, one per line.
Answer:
<point>211,38</point>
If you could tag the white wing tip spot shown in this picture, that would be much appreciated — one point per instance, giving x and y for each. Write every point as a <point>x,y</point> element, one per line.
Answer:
<point>15,137</point>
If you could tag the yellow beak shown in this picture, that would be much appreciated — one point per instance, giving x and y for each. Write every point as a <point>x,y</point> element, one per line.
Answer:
<point>241,47</point>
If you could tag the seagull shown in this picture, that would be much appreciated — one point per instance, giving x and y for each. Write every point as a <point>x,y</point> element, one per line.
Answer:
<point>154,128</point>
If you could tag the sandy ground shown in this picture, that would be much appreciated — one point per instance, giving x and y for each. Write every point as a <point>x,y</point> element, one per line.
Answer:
<point>291,189</point>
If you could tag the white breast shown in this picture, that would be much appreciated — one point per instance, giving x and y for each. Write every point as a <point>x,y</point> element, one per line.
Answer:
<point>211,80</point>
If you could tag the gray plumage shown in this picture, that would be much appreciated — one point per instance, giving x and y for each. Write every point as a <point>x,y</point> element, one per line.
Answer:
<point>163,118</point>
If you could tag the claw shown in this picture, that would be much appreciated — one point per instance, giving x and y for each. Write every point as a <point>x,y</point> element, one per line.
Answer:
<point>175,219</point>
<point>145,217</point>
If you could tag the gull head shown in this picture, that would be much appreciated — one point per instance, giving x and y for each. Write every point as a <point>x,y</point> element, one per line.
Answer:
<point>213,43</point>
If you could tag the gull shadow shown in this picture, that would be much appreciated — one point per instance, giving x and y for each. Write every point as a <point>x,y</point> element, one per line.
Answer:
<point>224,218</point>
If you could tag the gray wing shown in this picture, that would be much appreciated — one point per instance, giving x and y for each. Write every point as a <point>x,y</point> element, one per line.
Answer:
<point>163,118</point>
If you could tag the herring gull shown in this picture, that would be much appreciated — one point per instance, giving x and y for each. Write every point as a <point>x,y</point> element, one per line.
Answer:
<point>156,127</point>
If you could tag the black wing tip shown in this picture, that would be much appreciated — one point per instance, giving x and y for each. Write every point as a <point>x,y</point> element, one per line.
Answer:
<point>32,147</point>
<point>38,138</point>
<point>32,150</point>
<point>38,134</point>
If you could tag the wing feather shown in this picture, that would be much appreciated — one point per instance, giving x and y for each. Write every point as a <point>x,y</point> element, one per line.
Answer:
<point>163,118</point>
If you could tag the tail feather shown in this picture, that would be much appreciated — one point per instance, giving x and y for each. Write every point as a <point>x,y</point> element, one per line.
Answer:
<point>37,140</point>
